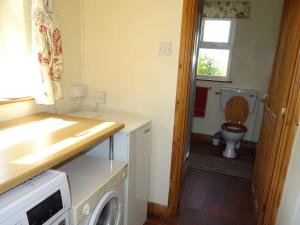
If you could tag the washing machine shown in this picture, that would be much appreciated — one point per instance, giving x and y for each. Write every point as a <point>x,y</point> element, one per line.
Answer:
<point>97,190</point>
<point>43,199</point>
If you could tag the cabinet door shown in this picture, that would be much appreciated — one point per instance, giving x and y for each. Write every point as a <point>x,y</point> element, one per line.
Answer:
<point>139,166</point>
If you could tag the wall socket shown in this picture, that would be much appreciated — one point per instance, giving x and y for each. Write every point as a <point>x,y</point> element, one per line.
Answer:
<point>99,97</point>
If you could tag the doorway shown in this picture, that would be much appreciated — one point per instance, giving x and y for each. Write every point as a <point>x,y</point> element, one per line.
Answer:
<point>266,211</point>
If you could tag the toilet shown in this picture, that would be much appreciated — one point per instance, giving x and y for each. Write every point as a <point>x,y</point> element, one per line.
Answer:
<point>237,104</point>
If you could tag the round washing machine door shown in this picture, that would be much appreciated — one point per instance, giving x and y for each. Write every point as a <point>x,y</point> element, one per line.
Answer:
<point>109,210</point>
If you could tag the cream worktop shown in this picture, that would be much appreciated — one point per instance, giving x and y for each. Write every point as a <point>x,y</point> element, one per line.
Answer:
<point>33,144</point>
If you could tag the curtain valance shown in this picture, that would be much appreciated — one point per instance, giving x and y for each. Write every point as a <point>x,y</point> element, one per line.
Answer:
<point>227,9</point>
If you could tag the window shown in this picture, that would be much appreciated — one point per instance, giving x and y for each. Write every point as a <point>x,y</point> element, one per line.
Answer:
<point>215,48</point>
<point>15,50</point>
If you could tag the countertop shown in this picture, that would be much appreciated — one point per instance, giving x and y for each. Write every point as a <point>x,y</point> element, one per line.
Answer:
<point>33,144</point>
<point>131,121</point>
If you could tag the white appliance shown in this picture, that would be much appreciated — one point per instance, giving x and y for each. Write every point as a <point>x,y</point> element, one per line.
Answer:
<point>132,145</point>
<point>97,190</point>
<point>43,199</point>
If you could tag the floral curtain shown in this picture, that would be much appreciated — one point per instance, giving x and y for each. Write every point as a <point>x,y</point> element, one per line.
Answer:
<point>48,51</point>
<point>227,9</point>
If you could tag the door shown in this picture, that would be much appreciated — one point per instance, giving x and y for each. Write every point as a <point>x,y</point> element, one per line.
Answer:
<point>276,107</point>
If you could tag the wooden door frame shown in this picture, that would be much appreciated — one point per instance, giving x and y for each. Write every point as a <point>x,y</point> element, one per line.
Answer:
<point>184,79</point>
<point>181,113</point>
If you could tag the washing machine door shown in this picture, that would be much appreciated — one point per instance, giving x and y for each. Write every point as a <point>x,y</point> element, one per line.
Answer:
<point>109,210</point>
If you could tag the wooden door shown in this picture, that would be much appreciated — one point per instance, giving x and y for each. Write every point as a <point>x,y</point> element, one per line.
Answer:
<point>276,107</point>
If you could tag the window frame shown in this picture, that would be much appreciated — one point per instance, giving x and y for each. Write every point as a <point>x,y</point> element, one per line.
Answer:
<point>218,45</point>
<point>15,100</point>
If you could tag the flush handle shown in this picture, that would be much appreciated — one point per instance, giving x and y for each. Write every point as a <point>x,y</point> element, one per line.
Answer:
<point>264,98</point>
<point>147,130</point>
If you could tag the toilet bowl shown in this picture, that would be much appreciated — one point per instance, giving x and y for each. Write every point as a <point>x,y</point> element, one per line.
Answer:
<point>232,134</point>
<point>233,130</point>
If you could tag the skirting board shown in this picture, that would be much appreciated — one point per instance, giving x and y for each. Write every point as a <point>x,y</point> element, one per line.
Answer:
<point>208,138</point>
<point>157,210</point>
<point>161,211</point>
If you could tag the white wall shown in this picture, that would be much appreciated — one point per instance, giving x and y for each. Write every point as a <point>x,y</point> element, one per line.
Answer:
<point>289,210</point>
<point>69,18</point>
<point>121,42</point>
<point>251,67</point>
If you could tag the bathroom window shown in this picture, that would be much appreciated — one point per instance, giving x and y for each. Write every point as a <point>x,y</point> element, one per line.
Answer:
<point>215,49</point>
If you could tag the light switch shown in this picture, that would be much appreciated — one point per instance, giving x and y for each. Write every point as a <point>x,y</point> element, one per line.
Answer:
<point>165,48</point>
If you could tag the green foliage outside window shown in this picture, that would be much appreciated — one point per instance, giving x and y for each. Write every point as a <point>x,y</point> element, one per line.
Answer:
<point>208,66</point>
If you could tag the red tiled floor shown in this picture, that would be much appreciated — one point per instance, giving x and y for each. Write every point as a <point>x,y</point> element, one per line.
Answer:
<point>214,199</point>
<point>223,199</point>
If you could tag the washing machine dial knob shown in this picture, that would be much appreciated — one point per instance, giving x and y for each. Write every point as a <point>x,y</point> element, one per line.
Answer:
<point>86,209</point>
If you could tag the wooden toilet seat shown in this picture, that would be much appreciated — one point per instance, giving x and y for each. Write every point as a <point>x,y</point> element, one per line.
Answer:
<point>234,127</point>
<point>236,110</point>
<point>236,113</point>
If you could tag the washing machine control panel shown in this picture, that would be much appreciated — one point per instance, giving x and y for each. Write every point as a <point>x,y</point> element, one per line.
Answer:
<point>40,200</point>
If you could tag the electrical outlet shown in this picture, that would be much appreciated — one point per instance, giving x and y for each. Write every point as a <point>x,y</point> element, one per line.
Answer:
<point>165,48</point>
<point>99,97</point>
<point>78,90</point>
